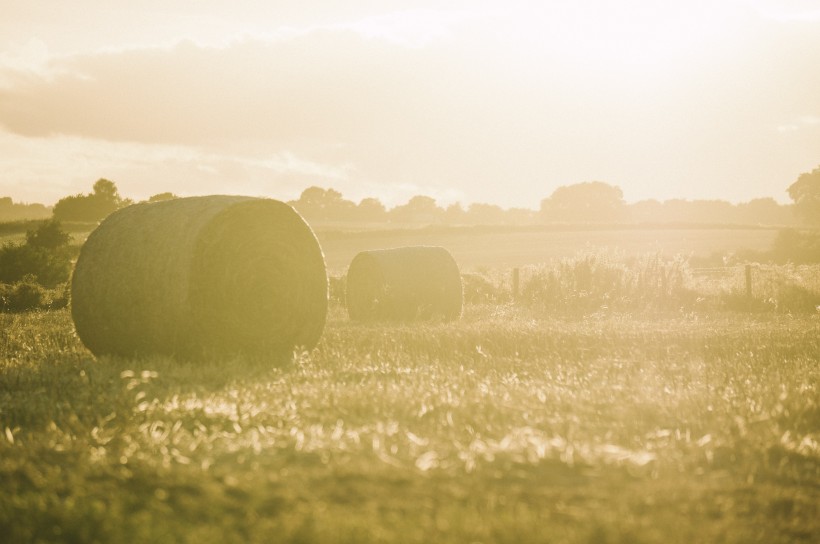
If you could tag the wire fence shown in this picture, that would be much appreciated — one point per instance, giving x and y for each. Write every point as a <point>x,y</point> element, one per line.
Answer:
<point>755,280</point>
<point>764,285</point>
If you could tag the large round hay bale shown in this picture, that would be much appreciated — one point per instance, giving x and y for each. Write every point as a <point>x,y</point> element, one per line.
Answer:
<point>404,284</point>
<point>214,275</point>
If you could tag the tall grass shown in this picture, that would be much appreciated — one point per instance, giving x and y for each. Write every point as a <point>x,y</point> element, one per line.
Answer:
<point>600,281</point>
<point>608,282</point>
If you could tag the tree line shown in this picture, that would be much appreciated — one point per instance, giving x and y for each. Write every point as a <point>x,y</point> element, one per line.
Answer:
<point>17,211</point>
<point>33,274</point>
<point>588,202</point>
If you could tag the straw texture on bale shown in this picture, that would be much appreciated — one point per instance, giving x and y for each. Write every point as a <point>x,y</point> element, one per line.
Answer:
<point>404,284</point>
<point>214,275</point>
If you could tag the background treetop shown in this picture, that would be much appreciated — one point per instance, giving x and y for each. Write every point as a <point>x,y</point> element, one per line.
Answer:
<point>104,199</point>
<point>806,195</point>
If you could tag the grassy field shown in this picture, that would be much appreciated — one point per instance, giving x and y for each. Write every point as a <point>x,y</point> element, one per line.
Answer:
<point>508,426</point>
<point>623,397</point>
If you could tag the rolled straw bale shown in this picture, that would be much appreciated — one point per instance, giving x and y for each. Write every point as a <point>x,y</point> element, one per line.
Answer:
<point>404,284</point>
<point>213,275</point>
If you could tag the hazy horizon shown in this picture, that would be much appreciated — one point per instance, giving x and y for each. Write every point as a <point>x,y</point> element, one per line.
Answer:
<point>496,102</point>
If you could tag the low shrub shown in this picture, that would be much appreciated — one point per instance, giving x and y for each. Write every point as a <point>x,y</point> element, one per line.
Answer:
<point>798,247</point>
<point>592,282</point>
<point>49,235</point>
<point>46,256</point>
<point>49,267</point>
<point>480,289</point>
<point>738,301</point>
<point>22,296</point>
<point>27,295</point>
<point>798,299</point>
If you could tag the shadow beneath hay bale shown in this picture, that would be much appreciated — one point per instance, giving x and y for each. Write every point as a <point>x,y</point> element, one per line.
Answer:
<point>205,374</point>
<point>78,390</point>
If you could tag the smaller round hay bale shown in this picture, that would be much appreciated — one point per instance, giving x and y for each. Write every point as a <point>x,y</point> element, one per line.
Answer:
<point>215,276</point>
<point>404,284</point>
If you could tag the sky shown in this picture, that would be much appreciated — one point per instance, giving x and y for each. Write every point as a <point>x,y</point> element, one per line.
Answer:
<point>470,101</point>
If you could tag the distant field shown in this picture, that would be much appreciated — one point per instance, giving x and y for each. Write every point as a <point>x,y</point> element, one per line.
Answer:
<point>477,248</point>
<point>15,231</point>
<point>484,247</point>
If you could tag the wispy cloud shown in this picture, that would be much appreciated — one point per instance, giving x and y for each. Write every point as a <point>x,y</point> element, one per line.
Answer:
<point>29,59</point>
<point>412,28</point>
<point>191,93</point>
<point>65,163</point>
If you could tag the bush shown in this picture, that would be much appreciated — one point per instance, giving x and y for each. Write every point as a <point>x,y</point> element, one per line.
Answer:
<point>738,301</point>
<point>45,255</point>
<point>796,298</point>
<point>50,267</point>
<point>796,247</point>
<point>49,235</point>
<point>22,296</point>
<point>479,289</point>
<point>27,295</point>
<point>61,297</point>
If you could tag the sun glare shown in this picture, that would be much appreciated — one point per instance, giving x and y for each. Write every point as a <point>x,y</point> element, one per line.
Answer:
<point>635,36</point>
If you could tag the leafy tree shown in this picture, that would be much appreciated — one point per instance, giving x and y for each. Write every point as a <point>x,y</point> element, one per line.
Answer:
<point>315,197</point>
<point>11,211</point>
<point>419,209</point>
<point>371,210</point>
<point>106,189</point>
<point>647,211</point>
<point>591,201</point>
<point>485,214</point>
<point>45,255</point>
<point>766,211</point>
<point>796,247</point>
<point>324,204</point>
<point>162,196</point>
<point>454,214</point>
<point>806,195</point>
<point>91,207</point>
<point>49,235</point>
